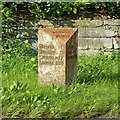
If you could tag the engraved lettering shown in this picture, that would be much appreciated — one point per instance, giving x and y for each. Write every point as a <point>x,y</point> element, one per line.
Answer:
<point>47,55</point>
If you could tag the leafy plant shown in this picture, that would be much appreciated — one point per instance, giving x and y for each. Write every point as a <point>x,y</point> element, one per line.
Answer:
<point>94,93</point>
<point>101,69</point>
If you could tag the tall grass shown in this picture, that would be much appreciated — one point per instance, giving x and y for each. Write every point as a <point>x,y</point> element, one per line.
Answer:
<point>95,92</point>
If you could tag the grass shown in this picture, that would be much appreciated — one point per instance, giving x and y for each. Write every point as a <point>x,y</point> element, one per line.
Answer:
<point>94,93</point>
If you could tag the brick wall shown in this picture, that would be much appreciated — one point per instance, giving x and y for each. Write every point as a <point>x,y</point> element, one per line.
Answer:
<point>92,34</point>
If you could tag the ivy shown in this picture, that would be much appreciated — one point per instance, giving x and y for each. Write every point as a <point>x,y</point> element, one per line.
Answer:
<point>49,10</point>
<point>46,10</point>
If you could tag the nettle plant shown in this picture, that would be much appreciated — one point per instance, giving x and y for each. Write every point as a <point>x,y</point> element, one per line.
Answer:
<point>10,42</point>
<point>13,48</point>
<point>8,35</point>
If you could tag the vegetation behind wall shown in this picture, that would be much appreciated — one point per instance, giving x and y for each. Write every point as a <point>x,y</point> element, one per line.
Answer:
<point>12,12</point>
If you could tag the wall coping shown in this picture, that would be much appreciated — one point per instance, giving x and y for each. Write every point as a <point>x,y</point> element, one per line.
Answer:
<point>81,23</point>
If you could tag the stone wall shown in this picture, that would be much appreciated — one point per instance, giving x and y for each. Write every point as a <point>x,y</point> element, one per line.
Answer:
<point>92,34</point>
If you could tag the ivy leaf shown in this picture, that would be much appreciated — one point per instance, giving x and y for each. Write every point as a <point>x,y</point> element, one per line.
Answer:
<point>69,10</point>
<point>58,12</point>
<point>75,10</point>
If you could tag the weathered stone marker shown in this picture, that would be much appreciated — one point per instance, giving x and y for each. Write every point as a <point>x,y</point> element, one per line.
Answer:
<point>57,55</point>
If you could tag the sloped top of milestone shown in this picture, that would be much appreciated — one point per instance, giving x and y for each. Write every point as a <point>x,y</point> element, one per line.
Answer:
<point>62,34</point>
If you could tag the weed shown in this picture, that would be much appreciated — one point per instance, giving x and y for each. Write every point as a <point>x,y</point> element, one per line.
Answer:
<point>94,93</point>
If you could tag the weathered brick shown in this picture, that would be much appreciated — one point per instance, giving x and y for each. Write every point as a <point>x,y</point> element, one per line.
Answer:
<point>112,22</point>
<point>94,43</point>
<point>116,42</point>
<point>96,32</point>
<point>88,23</point>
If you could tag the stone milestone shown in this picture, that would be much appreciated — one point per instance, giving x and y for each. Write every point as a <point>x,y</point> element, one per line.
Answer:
<point>57,55</point>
